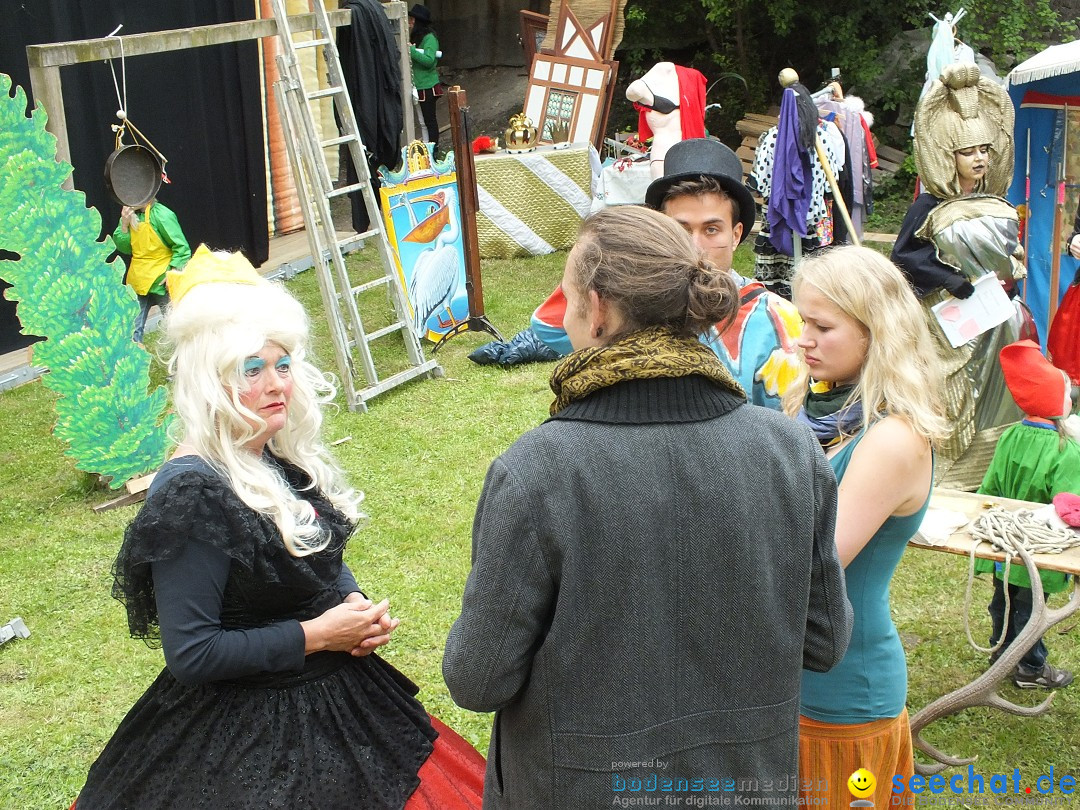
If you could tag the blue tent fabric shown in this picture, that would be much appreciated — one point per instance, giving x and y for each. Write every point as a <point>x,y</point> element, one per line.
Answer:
<point>1039,122</point>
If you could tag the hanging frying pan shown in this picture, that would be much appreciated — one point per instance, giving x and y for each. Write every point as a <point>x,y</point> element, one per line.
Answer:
<point>133,175</point>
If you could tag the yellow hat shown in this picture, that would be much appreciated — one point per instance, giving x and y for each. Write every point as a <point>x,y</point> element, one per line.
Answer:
<point>206,266</point>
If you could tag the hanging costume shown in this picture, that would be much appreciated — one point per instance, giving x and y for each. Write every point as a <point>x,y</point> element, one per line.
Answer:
<point>789,177</point>
<point>950,239</point>
<point>372,73</point>
<point>854,122</point>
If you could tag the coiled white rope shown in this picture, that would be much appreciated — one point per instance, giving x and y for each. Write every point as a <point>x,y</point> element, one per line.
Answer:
<point>1006,530</point>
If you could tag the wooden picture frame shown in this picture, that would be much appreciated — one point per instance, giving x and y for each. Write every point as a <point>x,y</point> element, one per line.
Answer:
<point>534,28</point>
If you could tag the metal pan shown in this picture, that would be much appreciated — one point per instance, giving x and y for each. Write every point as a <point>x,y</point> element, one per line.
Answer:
<point>133,175</point>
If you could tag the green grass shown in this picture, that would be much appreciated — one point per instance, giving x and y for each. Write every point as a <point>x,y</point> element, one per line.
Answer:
<point>420,454</point>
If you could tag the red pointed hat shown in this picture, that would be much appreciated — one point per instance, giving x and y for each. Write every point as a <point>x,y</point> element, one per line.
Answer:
<point>1036,385</point>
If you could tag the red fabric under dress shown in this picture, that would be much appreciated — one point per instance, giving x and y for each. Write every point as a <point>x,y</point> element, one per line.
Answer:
<point>452,778</point>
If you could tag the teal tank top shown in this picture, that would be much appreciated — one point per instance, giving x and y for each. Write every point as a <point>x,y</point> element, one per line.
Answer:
<point>870,683</point>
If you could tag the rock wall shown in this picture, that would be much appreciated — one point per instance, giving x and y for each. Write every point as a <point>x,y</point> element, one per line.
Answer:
<point>479,33</point>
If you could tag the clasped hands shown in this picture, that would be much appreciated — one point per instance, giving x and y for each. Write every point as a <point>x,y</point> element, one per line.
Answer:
<point>356,626</point>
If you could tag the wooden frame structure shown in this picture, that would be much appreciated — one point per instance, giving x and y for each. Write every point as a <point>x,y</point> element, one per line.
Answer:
<point>572,87</point>
<point>533,28</point>
<point>45,61</point>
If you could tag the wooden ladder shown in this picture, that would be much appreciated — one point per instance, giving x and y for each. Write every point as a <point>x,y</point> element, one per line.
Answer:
<point>315,188</point>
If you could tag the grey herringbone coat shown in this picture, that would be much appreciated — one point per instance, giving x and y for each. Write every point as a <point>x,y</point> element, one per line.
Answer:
<point>652,568</point>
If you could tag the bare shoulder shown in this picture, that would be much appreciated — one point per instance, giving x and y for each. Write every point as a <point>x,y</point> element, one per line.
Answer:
<point>893,441</point>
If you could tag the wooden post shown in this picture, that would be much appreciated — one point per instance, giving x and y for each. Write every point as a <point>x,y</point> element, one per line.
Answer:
<point>470,200</point>
<point>49,94</point>
<point>408,111</point>
<point>470,204</point>
<point>1055,241</point>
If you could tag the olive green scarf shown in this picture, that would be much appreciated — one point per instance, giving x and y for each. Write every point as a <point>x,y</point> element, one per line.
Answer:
<point>652,353</point>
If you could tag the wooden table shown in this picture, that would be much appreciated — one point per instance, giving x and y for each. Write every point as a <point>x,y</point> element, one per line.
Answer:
<point>972,505</point>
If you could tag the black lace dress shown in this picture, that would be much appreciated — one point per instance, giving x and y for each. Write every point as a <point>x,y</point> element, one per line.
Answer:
<point>240,718</point>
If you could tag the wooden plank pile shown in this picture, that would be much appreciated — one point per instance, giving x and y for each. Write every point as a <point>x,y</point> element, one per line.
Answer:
<point>754,124</point>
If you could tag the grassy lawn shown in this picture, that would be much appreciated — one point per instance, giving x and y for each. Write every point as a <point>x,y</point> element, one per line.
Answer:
<point>420,455</point>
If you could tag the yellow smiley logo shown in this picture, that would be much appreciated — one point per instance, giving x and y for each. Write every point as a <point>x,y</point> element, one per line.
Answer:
<point>861,783</point>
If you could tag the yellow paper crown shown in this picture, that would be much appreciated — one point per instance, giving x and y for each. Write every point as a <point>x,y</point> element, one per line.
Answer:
<point>205,266</point>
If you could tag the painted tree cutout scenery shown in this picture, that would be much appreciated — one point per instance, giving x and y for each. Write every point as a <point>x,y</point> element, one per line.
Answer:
<point>68,293</point>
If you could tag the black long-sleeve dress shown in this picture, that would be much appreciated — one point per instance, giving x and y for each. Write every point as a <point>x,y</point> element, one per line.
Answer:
<point>240,717</point>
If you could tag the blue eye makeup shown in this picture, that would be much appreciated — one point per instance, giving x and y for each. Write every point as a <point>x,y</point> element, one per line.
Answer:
<point>283,364</point>
<point>253,366</point>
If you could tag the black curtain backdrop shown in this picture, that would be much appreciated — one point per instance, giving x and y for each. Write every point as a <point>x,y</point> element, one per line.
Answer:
<point>200,107</point>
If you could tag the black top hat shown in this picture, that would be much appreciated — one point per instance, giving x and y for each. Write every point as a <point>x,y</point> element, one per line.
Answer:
<point>692,158</point>
<point>420,12</point>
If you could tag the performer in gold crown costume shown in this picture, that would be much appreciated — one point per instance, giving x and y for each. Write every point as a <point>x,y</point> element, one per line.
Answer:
<point>272,694</point>
<point>960,229</point>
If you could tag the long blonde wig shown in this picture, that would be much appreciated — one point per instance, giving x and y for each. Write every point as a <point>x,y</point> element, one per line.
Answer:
<point>209,334</point>
<point>901,375</point>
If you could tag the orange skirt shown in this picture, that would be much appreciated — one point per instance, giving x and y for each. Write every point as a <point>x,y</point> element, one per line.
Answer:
<point>830,753</point>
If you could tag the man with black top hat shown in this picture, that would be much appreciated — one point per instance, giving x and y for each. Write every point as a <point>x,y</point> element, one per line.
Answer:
<point>702,189</point>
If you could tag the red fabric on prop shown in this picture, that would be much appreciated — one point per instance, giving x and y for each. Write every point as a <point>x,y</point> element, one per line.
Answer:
<point>691,101</point>
<point>1067,506</point>
<point>1063,344</point>
<point>644,131</point>
<point>452,778</point>
<point>871,150</point>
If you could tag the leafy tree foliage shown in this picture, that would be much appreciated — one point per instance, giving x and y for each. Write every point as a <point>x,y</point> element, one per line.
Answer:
<point>70,295</point>
<point>757,39</point>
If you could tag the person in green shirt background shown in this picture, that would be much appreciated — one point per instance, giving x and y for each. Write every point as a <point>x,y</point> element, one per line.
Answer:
<point>425,53</point>
<point>154,250</point>
<point>1033,461</point>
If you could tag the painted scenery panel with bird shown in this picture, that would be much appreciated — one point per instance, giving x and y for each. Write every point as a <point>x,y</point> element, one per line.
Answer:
<point>423,215</point>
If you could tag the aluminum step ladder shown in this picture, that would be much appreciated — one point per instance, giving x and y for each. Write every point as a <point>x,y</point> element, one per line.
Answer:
<point>315,187</point>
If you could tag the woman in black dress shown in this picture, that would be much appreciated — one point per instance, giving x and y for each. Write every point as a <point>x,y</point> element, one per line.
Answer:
<point>272,695</point>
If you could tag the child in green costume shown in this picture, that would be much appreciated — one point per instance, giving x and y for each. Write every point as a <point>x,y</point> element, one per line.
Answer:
<point>152,237</point>
<point>1033,461</point>
<point>424,52</point>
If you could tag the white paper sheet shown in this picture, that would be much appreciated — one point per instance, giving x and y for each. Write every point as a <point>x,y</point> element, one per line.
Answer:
<point>965,318</point>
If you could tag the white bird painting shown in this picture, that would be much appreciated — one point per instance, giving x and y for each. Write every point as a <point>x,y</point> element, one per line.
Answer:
<point>436,272</point>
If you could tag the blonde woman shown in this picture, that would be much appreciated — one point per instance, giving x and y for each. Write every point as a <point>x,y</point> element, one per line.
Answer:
<point>868,390</point>
<point>271,696</point>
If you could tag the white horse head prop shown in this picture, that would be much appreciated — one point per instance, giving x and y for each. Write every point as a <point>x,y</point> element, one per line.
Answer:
<point>671,100</point>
